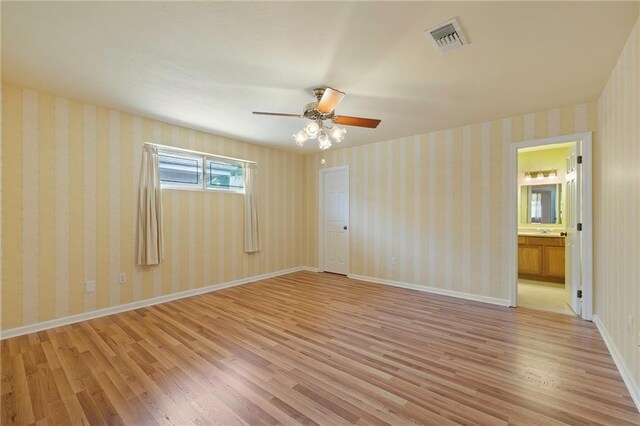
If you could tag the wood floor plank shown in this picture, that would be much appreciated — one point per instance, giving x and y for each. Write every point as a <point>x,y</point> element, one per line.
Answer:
<point>23,407</point>
<point>316,349</point>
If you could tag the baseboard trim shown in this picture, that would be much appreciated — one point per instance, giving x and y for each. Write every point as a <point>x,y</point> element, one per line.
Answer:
<point>632,386</point>
<point>434,290</point>
<point>71,319</point>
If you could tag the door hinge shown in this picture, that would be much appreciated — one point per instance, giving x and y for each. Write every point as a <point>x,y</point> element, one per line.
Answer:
<point>579,159</point>
<point>579,294</point>
<point>579,227</point>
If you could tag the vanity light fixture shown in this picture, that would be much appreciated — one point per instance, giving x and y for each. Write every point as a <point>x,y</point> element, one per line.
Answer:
<point>540,174</point>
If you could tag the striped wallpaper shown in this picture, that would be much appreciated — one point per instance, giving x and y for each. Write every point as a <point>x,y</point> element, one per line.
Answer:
<point>70,184</point>
<point>436,202</point>
<point>617,212</point>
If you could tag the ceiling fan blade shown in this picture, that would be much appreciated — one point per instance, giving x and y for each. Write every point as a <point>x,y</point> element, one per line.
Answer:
<point>330,99</point>
<point>280,114</point>
<point>345,120</point>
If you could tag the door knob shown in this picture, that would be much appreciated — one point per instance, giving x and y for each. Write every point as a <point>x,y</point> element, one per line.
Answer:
<point>563,234</point>
<point>344,227</point>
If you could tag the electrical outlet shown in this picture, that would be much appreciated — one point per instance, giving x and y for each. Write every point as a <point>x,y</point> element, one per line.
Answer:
<point>123,278</point>
<point>89,286</point>
<point>394,260</point>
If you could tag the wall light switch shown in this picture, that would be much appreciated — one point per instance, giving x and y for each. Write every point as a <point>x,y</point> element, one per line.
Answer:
<point>123,278</point>
<point>89,286</point>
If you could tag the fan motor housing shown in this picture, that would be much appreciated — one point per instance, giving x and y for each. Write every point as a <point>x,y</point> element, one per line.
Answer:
<point>311,112</point>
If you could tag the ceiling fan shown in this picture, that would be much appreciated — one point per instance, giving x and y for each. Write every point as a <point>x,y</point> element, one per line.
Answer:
<point>319,111</point>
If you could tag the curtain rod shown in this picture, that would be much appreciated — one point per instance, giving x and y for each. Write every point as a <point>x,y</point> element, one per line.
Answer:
<point>190,151</point>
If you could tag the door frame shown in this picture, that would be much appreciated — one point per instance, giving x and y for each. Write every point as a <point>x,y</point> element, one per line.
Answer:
<point>511,231</point>
<point>321,180</point>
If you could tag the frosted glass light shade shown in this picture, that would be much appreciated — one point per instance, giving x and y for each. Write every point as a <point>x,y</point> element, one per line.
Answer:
<point>324,142</point>
<point>337,133</point>
<point>312,130</point>
<point>300,138</point>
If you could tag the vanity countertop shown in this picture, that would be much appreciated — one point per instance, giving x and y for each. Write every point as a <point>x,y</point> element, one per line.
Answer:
<point>539,234</point>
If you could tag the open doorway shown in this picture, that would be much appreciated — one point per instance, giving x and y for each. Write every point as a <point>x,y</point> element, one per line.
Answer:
<point>542,209</point>
<point>550,190</point>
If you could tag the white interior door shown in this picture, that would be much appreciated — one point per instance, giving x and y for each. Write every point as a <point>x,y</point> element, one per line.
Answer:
<point>336,221</point>
<point>573,276</point>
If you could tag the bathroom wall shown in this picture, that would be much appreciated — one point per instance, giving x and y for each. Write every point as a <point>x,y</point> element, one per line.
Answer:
<point>544,159</point>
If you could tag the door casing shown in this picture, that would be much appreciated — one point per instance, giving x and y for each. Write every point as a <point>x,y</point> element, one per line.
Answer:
<point>511,213</point>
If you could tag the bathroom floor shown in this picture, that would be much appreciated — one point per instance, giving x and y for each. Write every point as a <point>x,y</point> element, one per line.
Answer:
<point>543,296</point>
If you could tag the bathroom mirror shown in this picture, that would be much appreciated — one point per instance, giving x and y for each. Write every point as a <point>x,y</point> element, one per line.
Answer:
<point>541,204</point>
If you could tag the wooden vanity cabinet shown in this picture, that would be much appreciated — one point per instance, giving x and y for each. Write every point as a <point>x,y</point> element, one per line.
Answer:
<point>541,258</point>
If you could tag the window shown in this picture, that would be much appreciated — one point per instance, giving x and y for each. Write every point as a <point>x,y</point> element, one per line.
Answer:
<point>199,171</point>
<point>180,171</point>
<point>221,175</point>
<point>536,207</point>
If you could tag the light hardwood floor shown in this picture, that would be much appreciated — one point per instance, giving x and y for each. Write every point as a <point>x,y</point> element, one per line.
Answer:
<point>316,349</point>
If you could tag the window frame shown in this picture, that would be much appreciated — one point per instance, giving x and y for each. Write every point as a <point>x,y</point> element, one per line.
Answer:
<point>202,159</point>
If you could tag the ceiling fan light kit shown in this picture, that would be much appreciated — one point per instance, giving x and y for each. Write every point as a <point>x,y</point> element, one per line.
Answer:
<point>324,109</point>
<point>316,130</point>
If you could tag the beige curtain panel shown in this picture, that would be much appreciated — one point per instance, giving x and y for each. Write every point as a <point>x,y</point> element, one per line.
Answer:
<point>251,228</point>
<point>150,248</point>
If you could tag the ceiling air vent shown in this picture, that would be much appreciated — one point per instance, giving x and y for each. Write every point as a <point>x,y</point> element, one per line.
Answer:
<point>446,36</point>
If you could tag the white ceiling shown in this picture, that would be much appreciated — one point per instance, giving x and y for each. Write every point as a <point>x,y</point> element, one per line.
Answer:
<point>207,65</point>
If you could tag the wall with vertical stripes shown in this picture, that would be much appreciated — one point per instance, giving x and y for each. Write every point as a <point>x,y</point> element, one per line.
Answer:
<point>70,185</point>
<point>435,201</point>
<point>617,212</point>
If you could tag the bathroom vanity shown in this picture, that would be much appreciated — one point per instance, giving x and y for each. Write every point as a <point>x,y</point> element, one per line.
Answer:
<point>541,257</point>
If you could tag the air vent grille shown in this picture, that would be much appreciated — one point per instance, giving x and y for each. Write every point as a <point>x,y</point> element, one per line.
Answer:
<point>446,36</point>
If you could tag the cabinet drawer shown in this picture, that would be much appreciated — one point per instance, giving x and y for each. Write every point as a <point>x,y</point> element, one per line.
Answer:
<point>522,240</point>
<point>544,241</point>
